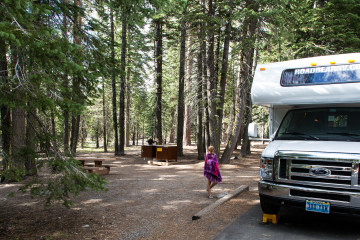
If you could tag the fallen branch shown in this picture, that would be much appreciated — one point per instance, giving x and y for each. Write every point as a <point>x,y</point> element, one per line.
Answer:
<point>212,206</point>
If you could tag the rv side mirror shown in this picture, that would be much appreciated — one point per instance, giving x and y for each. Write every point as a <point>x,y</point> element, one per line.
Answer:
<point>252,130</point>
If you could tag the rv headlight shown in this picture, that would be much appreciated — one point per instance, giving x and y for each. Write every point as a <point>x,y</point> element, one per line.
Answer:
<point>266,169</point>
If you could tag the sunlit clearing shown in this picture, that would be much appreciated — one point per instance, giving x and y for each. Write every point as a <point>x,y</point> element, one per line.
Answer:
<point>174,204</point>
<point>151,190</point>
<point>8,185</point>
<point>90,201</point>
<point>180,202</point>
<point>169,207</point>
<point>28,204</point>
<point>165,177</point>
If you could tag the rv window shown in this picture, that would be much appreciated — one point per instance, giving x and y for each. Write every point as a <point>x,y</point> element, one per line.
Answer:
<point>326,124</point>
<point>321,75</point>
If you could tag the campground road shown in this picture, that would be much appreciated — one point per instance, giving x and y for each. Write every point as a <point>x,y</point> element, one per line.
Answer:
<point>294,224</point>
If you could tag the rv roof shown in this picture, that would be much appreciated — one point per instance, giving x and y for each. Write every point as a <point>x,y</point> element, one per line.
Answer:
<point>333,79</point>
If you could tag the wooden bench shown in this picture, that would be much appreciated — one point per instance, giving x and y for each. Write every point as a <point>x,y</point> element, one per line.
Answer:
<point>95,164</point>
<point>109,166</point>
<point>99,170</point>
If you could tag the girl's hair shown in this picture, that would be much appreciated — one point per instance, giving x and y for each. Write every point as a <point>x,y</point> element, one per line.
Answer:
<point>211,149</point>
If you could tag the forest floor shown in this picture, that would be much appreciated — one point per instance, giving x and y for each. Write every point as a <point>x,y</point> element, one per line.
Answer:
<point>142,202</point>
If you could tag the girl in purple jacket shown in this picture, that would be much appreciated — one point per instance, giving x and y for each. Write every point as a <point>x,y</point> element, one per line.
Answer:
<point>211,170</point>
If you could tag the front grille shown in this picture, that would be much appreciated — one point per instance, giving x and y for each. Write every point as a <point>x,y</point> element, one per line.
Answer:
<point>322,163</point>
<point>299,169</point>
<point>327,196</point>
<point>282,168</point>
<point>321,180</point>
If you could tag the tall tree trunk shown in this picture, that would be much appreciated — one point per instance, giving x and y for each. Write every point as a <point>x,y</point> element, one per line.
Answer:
<point>30,165</point>
<point>113,83</point>
<point>248,70</point>
<point>122,84</point>
<point>76,85</point>
<point>66,125</point>
<point>97,138</point>
<point>137,134</point>
<point>187,126</point>
<point>200,143</point>
<point>205,80</point>
<point>225,158</point>
<point>66,94</point>
<point>18,137</point>
<point>143,131</point>
<point>172,124</point>
<point>181,104</point>
<point>5,111</point>
<point>212,85</point>
<point>224,70</point>
<point>247,54</point>
<point>53,125</point>
<point>18,115</point>
<point>217,57</point>
<point>232,114</point>
<point>104,117</point>
<point>158,80</point>
<point>75,128</point>
<point>127,115</point>
<point>133,134</point>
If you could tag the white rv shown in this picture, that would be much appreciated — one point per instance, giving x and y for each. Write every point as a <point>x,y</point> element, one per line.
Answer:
<point>312,160</point>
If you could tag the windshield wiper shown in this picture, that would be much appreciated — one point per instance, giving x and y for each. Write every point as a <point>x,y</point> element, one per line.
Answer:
<point>344,134</point>
<point>302,134</point>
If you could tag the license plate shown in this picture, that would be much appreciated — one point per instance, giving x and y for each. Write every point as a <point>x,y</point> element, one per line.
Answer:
<point>317,206</point>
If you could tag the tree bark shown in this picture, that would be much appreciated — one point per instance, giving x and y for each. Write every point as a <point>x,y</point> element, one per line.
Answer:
<point>76,85</point>
<point>245,78</point>
<point>104,117</point>
<point>217,57</point>
<point>122,84</point>
<point>30,164</point>
<point>158,79</point>
<point>206,136</point>
<point>66,113</point>
<point>75,126</point>
<point>172,128</point>
<point>212,84</point>
<point>200,142</point>
<point>225,158</point>
<point>224,70</point>
<point>18,137</point>
<point>113,83</point>
<point>180,129</point>
<point>18,127</point>
<point>66,125</point>
<point>232,115</point>
<point>127,115</point>
<point>187,126</point>
<point>5,111</point>
<point>247,73</point>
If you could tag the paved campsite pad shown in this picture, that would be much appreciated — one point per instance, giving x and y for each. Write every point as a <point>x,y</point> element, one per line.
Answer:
<point>143,202</point>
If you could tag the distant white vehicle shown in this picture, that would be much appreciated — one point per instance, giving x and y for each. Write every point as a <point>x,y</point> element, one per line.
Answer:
<point>312,160</point>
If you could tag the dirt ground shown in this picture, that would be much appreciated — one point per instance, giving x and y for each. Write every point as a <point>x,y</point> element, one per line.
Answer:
<point>143,202</point>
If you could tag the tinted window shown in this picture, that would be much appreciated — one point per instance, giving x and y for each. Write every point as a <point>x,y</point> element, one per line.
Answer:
<point>333,124</point>
<point>321,75</point>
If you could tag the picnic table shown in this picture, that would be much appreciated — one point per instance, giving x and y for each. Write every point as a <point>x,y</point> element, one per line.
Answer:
<point>95,164</point>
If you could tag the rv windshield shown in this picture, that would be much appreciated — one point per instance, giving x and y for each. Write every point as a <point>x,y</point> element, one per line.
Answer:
<point>329,124</point>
